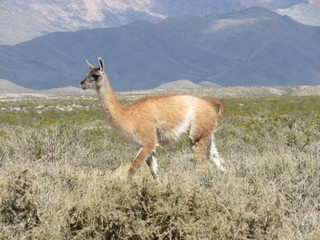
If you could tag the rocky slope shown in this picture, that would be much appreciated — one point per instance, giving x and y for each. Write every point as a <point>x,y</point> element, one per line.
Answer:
<point>22,20</point>
<point>306,13</point>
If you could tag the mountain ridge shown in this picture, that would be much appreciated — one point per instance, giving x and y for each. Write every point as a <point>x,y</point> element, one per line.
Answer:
<point>249,47</point>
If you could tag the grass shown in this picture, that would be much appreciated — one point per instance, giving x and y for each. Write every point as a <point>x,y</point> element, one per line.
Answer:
<point>62,175</point>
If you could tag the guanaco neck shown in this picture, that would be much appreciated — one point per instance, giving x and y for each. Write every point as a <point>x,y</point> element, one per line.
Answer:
<point>109,102</point>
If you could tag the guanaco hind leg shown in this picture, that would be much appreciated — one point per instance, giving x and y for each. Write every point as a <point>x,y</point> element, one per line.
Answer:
<point>213,154</point>
<point>205,148</point>
<point>200,148</point>
<point>152,163</point>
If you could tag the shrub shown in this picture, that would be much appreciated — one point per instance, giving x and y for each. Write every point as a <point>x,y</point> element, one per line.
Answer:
<point>18,206</point>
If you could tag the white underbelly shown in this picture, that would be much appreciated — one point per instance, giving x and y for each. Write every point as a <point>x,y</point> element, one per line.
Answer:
<point>165,136</point>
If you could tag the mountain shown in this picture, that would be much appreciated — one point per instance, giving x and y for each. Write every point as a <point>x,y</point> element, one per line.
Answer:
<point>255,46</point>
<point>24,20</point>
<point>306,13</point>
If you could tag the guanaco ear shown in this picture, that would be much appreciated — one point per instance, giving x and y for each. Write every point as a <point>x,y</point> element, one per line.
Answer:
<point>90,65</point>
<point>101,64</point>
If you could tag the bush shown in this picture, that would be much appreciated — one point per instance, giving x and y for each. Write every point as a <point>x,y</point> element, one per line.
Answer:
<point>18,205</point>
<point>175,211</point>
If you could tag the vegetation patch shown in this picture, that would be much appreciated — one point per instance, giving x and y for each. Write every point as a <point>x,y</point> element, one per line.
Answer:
<point>63,176</point>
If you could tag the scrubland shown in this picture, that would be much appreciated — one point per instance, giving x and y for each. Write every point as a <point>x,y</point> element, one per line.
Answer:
<point>62,175</point>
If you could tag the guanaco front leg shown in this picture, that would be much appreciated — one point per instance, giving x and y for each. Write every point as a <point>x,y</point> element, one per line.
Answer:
<point>143,154</point>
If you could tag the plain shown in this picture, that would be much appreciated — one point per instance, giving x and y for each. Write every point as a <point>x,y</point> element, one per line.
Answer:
<point>62,175</point>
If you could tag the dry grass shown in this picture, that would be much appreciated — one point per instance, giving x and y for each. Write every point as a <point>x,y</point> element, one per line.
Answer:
<point>64,178</point>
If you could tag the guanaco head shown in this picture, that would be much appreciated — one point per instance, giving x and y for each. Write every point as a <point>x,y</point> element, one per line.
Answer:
<point>94,79</point>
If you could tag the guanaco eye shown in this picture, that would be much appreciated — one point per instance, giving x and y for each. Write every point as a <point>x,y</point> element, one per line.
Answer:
<point>95,76</point>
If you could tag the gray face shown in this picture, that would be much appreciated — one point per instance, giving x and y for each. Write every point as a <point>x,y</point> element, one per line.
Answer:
<point>92,79</point>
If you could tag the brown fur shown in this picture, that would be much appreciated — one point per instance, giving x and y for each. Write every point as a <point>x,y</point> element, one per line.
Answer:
<point>156,120</point>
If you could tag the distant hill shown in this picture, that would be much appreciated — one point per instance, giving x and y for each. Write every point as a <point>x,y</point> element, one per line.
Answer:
<point>13,91</point>
<point>208,84</point>
<point>24,20</point>
<point>255,46</point>
<point>186,84</point>
<point>179,84</point>
<point>69,91</point>
<point>9,87</point>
